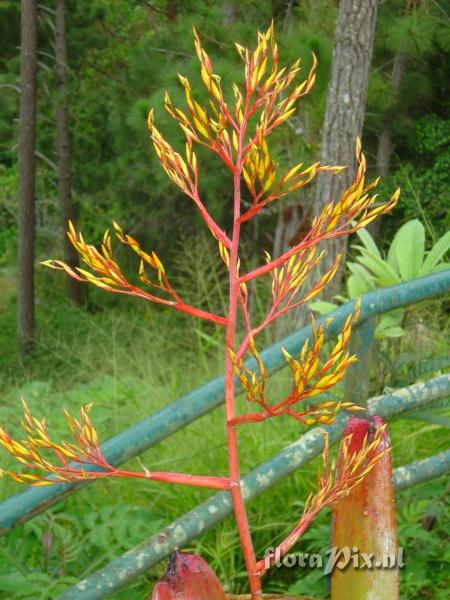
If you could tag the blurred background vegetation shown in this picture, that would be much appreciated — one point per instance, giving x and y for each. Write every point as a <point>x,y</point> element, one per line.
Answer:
<point>131,358</point>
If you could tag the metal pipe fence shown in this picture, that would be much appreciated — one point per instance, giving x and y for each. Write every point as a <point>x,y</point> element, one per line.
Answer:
<point>136,439</point>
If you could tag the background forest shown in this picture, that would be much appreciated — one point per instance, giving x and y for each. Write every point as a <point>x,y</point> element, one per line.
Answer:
<point>131,358</point>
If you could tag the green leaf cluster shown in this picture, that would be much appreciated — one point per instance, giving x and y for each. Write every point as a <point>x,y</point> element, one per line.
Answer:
<point>406,259</point>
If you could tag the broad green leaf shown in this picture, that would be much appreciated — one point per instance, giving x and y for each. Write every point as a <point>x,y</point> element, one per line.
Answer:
<point>389,332</point>
<point>410,249</point>
<point>392,255</point>
<point>322,307</point>
<point>368,241</point>
<point>397,314</point>
<point>384,273</point>
<point>439,250</point>
<point>390,325</point>
<point>441,267</point>
<point>356,286</point>
<point>392,318</point>
<point>432,365</point>
<point>363,273</point>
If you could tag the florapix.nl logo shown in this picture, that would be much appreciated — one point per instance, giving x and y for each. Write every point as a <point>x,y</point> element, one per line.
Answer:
<point>334,558</point>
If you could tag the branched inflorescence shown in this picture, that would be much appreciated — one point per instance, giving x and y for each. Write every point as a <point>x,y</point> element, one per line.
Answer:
<point>106,274</point>
<point>31,451</point>
<point>66,462</point>
<point>309,378</point>
<point>334,484</point>
<point>238,135</point>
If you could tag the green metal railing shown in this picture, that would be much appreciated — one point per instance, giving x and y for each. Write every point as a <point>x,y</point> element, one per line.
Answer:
<point>139,559</point>
<point>134,440</point>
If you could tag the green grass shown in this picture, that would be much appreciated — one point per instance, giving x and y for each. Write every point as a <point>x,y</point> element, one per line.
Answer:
<point>130,359</point>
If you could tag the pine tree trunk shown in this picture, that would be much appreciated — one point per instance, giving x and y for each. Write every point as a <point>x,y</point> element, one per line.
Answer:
<point>230,13</point>
<point>64,181</point>
<point>346,102</point>
<point>27,173</point>
<point>384,151</point>
<point>172,10</point>
<point>385,146</point>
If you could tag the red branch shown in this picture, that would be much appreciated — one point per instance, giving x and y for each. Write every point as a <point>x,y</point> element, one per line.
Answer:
<point>283,548</point>
<point>308,242</point>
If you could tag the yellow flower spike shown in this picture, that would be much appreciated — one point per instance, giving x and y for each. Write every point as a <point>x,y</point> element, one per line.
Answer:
<point>264,82</point>
<point>235,140</point>
<point>150,120</point>
<point>247,179</point>
<point>240,49</point>
<point>286,355</point>
<point>224,254</point>
<point>30,456</point>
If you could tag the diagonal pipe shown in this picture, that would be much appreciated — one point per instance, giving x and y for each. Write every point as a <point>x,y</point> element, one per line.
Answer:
<point>120,572</point>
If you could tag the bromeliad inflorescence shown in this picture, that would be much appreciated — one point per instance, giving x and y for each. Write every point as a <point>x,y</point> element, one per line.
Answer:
<point>335,484</point>
<point>309,378</point>
<point>239,136</point>
<point>79,460</point>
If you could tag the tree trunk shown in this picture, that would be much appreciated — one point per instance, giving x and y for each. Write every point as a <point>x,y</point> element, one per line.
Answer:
<point>230,13</point>
<point>385,146</point>
<point>384,151</point>
<point>346,101</point>
<point>27,172</point>
<point>172,10</point>
<point>64,182</point>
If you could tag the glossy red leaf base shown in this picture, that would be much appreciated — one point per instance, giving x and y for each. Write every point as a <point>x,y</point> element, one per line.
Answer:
<point>188,577</point>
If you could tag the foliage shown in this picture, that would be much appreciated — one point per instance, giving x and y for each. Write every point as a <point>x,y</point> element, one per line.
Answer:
<point>406,259</point>
<point>8,212</point>
<point>120,59</point>
<point>418,32</point>
<point>416,35</point>
<point>425,180</point>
